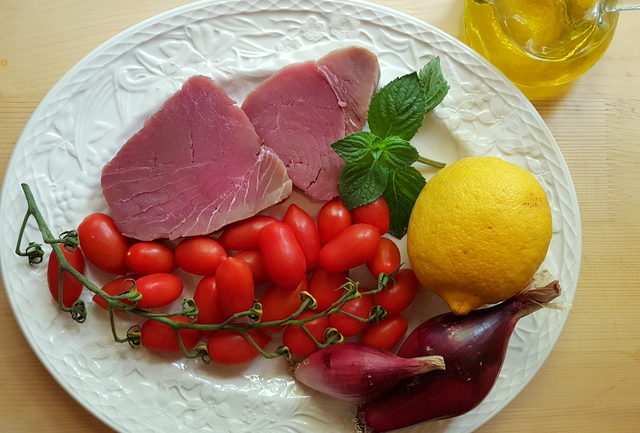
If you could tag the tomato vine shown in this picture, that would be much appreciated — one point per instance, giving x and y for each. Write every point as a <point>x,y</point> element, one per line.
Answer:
<point>127,300</point>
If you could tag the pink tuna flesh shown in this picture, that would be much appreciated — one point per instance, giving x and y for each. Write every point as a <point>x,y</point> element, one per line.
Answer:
<point>302,109</point>
<point>195,166</point>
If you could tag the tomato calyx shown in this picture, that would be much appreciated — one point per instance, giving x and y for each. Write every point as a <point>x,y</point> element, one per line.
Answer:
<point>333,336</point>
<point>78,311</point>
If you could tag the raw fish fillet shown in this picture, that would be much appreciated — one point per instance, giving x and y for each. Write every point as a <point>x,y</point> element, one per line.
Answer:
<point>305,107</point>
<point>195,166</point>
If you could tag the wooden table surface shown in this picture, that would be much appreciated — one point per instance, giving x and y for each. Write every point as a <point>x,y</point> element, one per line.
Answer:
<point>591,381</point>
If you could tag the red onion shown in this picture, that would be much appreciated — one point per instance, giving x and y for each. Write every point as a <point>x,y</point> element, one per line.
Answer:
<point>356,372</point>
<point>473,347</point>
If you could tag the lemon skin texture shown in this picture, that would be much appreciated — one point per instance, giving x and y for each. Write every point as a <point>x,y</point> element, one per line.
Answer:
<point>478,232</point>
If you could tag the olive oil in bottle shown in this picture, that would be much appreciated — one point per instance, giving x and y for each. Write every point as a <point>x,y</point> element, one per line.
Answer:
<point>539,43</point>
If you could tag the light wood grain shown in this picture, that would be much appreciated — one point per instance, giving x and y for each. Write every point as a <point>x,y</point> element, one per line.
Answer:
<point>591,381</point>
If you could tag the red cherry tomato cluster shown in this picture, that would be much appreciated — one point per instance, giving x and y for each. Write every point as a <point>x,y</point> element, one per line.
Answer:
<point>263,258</point>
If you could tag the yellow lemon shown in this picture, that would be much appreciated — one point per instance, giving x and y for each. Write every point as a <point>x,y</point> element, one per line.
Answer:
<point>478,232</point>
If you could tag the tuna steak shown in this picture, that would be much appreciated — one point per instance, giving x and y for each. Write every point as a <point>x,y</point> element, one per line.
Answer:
<point>195,166</point>
<point>303,108</point>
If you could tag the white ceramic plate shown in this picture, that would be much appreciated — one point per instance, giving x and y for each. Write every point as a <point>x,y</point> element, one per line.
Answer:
<point>105,98</point>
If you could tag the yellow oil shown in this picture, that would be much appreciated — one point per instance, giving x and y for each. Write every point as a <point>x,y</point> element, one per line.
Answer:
<point>538,43</point>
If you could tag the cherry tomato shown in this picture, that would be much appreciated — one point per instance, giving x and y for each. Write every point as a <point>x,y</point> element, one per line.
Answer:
<point>375,213</point>
<point>386,260</point>
<point>279,303</point>
<point>229,347</point>
<point>253,258</point>
<point>243,235</point>
<point>333,217</point>
<point>298,342</point>
<point>387,333</point>
<point>353,246</point>
<point>159,337</point>
<point>199,255</point>
<point>149,258</point>
<point>207,299</point>
<point>71,288</point>
<point>235,286</point>
<point>158,289</point>
<point>306,233</point>
<point>348,326</point>
<point>398,294</point>
<point>103,244</point>
<point>282,256</point>
<point>115,287</point>
<point>325,287</point>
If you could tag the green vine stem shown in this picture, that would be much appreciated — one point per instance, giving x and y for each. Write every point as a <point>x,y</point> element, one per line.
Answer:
<point>431,162</point>
<point>127,300</point>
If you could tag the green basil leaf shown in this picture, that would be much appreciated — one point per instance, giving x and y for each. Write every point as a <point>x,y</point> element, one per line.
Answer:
<point>403,187</point>
<point>354,147</point>
<point>433,83</point>
<point>362,183</point>
<point>397,152</point>
<point>398,108</point>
